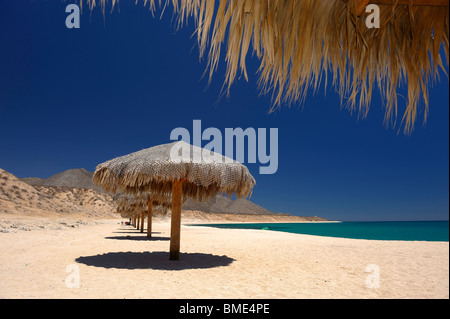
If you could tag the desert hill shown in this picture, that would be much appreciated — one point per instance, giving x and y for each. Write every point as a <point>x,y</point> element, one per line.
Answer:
<point>78,177</point>
<point>18,197</point>
<point>81,178</point>
<point>224,205</point>
<point>71,194</point>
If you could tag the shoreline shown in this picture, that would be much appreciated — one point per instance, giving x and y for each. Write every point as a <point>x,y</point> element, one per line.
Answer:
<point>393,231</point>
<point>272,222</point>
<point>35,222</point>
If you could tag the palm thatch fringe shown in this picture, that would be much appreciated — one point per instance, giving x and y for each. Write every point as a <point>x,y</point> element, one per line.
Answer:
<point>136,211</point>
<point>126,201</point>
<point>299,42</point>
<point>154,170</point>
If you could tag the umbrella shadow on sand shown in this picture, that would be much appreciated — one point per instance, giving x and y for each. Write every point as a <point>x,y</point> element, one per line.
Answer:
<point>133,232</point>
<point>155,260</point>
<point>144,237</point>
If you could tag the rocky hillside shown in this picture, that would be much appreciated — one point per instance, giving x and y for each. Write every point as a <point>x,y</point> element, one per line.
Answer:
<point>224,205</point>
<point>72,192</point>
<point>88,198</point>
<point>18,197</point>
<point>81,178</point>
<point>78,177</point>
<point>199,217</point>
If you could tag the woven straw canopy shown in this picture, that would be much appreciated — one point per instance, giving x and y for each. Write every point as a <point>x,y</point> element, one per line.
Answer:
<point>176,170</point>
<point>129,206</point>
<point>136,211</point>
<point>300,42</point>
<point>203,173</point>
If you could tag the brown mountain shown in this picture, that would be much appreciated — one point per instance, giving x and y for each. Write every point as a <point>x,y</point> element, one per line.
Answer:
<point>72,193</point>
<point>18,197</point>
<point>75,187</point>
<point>224,205</point>
<point>81,178</point>
<point>78,177</point>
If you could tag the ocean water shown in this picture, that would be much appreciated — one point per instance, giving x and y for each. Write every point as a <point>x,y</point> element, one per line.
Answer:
<point>403,230</point>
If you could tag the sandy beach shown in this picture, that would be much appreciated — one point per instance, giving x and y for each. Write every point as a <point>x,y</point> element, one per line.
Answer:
<point>112,260</point>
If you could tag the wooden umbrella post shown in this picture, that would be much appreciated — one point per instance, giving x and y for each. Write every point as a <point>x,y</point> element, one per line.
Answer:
<point>142,221</point>
<point>175,221</point>
<point>138,219</point>
<point>149,219</point>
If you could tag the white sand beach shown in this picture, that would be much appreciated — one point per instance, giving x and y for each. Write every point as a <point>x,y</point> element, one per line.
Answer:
<point>117,261</point>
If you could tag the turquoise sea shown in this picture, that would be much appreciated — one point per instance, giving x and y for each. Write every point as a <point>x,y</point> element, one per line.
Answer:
<point>402,230</point>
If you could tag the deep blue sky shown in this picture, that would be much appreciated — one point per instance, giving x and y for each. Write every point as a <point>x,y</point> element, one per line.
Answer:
<point>72,98</point>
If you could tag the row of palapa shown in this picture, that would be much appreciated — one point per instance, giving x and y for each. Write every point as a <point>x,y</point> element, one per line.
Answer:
<point>151,177</point>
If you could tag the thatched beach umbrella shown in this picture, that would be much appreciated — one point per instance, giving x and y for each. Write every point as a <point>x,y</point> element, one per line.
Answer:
<point>300,42</point>
<point>177,169</point>
<point>139,204</point>
<point>138,212</point>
